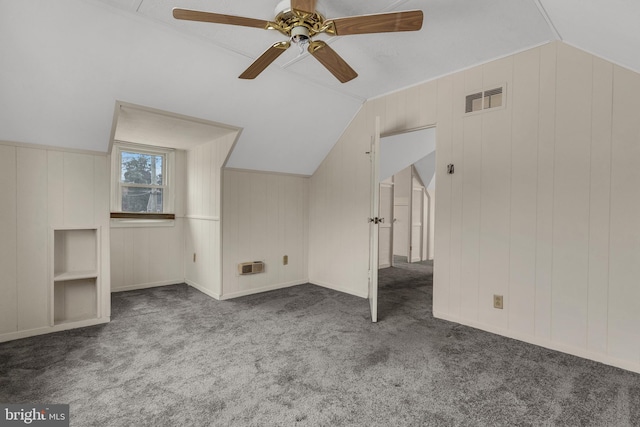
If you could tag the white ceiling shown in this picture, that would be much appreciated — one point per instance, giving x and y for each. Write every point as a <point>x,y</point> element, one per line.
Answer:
<point>66,63</point>
<point>151,127</point>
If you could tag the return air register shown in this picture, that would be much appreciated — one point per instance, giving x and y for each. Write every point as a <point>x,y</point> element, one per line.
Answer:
<point>253,267</point>
<point>484,100</point>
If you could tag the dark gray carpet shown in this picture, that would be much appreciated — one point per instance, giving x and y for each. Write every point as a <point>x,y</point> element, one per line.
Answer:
<point>307,356</point>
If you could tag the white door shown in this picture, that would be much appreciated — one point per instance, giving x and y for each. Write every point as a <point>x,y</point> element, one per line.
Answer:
<point>373,222</point>
<point>385,228</point>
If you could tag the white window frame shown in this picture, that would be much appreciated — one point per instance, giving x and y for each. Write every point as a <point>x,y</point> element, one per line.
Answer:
<point>168,196</point>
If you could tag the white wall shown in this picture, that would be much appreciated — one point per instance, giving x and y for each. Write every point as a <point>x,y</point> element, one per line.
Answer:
<point>265,217</point>
<point>146,256</point>
<point>417,244</point>
<point>143,257</point>
<point>542,209</point>
<point>401,201</point>
<point>339,208</point>
<point>202,232</point>
<point>431,220</point>
<point>42,188</point>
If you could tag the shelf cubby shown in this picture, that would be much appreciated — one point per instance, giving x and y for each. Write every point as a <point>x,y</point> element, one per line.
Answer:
<point>75,274</point>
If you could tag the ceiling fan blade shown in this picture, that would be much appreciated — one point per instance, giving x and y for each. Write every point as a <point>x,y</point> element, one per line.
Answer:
<point>304,5</point>
<point>217,18</point>
<point>332,61</point>
<point>265,60</point>
<point>410,20</point>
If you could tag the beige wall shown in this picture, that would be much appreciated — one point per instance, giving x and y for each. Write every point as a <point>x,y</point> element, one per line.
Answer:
<point>42,189</point>
<point>143,257</point>
<point>202,232</point>
<point>339,205</point>
<point>402,188</point>
<point>542,209</point>
<point>265,217</point>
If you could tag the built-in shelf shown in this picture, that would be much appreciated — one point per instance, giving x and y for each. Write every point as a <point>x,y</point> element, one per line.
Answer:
<point>74,275</point>
<point>76,279</point>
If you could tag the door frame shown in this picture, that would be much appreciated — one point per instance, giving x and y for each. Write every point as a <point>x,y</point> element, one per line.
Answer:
<point>373,226</point>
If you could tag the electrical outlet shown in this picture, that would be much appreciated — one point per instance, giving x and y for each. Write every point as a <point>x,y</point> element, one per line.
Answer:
<point>285,260</point>
<point>497,302</point>
<point>194,257</point>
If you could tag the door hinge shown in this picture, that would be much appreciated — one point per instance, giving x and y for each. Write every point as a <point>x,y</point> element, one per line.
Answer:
<point>376,220</point>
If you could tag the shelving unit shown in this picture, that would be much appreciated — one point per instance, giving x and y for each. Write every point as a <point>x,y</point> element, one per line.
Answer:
<point>76,278</point>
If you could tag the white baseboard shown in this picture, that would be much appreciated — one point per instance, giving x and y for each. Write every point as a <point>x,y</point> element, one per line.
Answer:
<point>262,289</point>
<point>10,336</point>
<point>202,289</point>
<point>575,351</point>
<point>147,285</point>
<point>340,289</point>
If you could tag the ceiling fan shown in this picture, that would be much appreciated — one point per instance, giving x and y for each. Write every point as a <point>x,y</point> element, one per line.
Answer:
<point>299,21</point>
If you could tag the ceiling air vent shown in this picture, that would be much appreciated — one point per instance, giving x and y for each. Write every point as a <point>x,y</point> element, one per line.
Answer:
<point>250,267</point>
<point>484,100</point>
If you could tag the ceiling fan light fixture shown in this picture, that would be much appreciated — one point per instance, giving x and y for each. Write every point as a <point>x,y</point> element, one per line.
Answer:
<point>300,36</point>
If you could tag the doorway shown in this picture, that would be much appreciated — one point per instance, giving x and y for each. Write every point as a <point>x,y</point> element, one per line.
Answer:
<point>406,198</point>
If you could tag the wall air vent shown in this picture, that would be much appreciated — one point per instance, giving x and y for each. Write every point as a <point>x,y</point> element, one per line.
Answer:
<point>253,267</point>
<point>484,100</point>
<point>473,103</point>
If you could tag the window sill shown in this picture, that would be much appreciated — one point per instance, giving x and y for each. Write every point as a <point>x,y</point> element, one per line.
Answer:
<point>123,219</point>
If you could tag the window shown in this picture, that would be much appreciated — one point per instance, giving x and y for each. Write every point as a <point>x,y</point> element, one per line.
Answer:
<point>484,100</point>
<point>141,182</point>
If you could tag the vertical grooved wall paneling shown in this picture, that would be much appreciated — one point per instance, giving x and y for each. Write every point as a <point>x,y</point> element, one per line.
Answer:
<point>524,170</point>
<point>495,165</point>
<point>624,256</point>
<point>8,240</point>
<point>265,217</point>
<point>42,189</point>
<point>599,206</point>
<point>571,197</point>
<point>78,189</point>
<point>545,190</point>
<point>457,159</point>
<point>444,146</point>
<point>542,207</point>
<point>202,232</point>
<point>143,257</point>
<point>33,232</point>
<point>469,179</point>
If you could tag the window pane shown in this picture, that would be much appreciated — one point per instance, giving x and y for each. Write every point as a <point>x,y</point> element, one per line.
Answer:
<point>139,168</point>
<point>141,199</point>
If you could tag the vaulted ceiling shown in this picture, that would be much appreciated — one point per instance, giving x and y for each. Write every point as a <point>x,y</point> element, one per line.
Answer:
<point>64,64</point>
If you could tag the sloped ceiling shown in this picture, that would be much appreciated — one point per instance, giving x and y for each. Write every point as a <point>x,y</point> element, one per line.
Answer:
<point>66,63</point>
